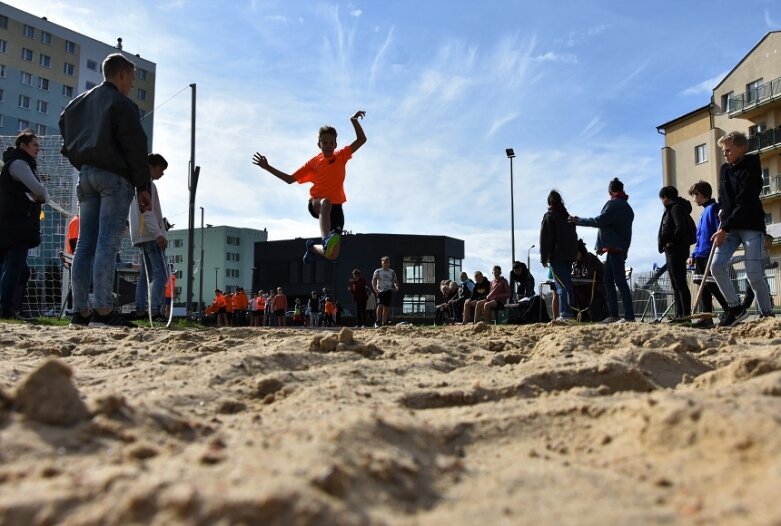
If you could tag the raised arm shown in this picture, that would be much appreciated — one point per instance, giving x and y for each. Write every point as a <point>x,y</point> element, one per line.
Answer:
<point>261,161</point>
<point>360,136</point>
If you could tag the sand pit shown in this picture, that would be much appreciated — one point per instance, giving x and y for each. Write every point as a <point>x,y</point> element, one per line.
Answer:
<point>630,424</point>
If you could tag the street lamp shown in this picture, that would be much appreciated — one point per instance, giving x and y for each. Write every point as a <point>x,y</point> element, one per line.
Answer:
<point>511,155</point>
<point>529,258</point>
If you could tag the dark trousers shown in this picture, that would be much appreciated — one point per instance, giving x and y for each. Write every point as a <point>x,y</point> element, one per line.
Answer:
<point>615,277</point>
<point>711,288</point>
<point>360,312</point>
<point>12,263</point>
<point>676,267</point>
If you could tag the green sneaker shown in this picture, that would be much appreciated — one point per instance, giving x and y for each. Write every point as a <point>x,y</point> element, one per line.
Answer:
<point>331,244</point>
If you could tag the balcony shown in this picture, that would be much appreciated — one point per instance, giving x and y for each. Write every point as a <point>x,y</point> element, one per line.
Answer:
<point>773,189</point>
<point>754,98</point>
<point>764,141</point>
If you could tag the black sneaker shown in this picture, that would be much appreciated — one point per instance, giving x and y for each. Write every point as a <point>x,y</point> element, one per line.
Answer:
<point>112,319</point>
<point>734,316</point>
<point>77,320</point>
<point>160,318</point>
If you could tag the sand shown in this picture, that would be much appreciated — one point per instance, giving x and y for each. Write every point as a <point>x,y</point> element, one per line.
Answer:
<point>623,424</point>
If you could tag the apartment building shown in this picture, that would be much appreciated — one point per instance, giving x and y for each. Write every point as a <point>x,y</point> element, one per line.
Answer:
<point>747,100</point>
<point>44,65</point>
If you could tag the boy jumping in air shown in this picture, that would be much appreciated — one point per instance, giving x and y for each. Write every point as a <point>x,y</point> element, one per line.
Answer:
<point>326,172</point>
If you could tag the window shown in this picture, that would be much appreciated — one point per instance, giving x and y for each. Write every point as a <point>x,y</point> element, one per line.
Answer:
<point>45,61</point>
<point>417,304</point>
<point>68,69</point>
<point>727,104</point>
<point>43,84</point>
<point>753,90</point>
<point>46,38</point>
<point>92,65</point>
<point>700,154</point>
<point>2,71</point>
<point>3,46</point>
<point>28,31</point>
<point>141,94</point>
<point>3,22</point>
<point>1,121</point>
<point>178,258</point>
<point>67,91</point>
<point>765,181</point>
<point>2,95</point>
<point>454,269</point>
<point>40,129</point>
<point>27,79</point>
<point>70,47</point>
<point>24,102</point>
<point>418,269</point>
<point>178,243</point>
<point>27,54</point>
<point>768,219</point>
<point>22,125</point>
<point>141,73</point>
<point>42,106</point>
<point>757,129</point>
<point>89,85</point>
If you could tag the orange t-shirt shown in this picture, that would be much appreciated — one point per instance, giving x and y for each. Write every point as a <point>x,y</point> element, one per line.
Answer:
<point>73,234</point>
<point>169,287</point>
<point>330,308</point>
<point>326,175</point>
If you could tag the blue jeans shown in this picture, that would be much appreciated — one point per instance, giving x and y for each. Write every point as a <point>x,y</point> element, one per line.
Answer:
<point>562,277</point>
<point>156,264</point>
<point>752,246</point>
<point>104,203</point>
<point>615,276</point>
<point>12,261</point>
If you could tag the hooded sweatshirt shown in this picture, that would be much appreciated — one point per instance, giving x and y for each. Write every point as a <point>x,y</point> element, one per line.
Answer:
<point>674,228</point>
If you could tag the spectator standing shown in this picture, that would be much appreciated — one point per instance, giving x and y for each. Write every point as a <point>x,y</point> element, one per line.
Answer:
<point>358,289</point>
<point>280,307</point>
<point>558,248</point>
<point>384,283</point>
<point>742,221</point>
<point>103,139</point>
<point>314,310</point>
<point>21,197</point>
<point>614,236</point>
<point>676,234</point>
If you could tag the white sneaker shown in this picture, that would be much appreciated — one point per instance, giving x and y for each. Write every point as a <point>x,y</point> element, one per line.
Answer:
<point>561,321</point>
<point>611,319</point>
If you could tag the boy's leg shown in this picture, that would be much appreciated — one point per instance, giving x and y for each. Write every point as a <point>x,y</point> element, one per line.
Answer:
<point>752,244</point>
<point>720,268</point>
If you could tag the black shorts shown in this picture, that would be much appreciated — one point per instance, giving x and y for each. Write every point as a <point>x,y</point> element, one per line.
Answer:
<point>337,215</point>
<point>279,312</point>
<point>385,297</point>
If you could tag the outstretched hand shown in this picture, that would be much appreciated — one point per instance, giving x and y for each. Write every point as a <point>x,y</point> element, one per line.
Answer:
<point>260,160</point>
<point>573,220</point>
<point>360,114</point>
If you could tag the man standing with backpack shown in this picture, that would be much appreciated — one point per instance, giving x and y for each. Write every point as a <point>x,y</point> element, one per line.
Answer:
<point>677,232</point>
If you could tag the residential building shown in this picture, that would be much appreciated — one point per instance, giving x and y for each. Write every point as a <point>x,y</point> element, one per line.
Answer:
<point>228,254</point>
<point>44,65</point>
<point>420,262</point>
<point>748,100</point>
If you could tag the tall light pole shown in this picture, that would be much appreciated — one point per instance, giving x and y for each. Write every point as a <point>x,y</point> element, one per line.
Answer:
<point>202,269</point>
<point>511,156</point>
<point>529,258</point>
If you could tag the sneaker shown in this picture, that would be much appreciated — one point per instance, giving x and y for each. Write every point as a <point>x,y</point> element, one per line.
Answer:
<point>331,244</point>
<point>77,320</point>
<point>624,320</point>
<point>377,325</point>
<point>159,318</point>
<point>734,316</point>
<point>308,253</point>
<point>610,319</point>
<point>766,315</point>
<point>561,320</point>
<point>112,319</point>
<point>705,323</point>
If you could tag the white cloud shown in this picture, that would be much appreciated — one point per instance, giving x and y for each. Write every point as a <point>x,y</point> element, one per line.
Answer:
<point>356,13</point>
<point>594,126</point>
<point>550,56</point>
<point>706,86</point>
<point>769,22</point>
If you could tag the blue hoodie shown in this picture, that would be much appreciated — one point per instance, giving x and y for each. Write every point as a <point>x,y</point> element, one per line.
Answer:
<point>709,223</point>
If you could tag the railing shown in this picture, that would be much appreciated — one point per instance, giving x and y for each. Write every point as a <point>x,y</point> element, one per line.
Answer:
<point>754,97</point>
<point>766,139</point>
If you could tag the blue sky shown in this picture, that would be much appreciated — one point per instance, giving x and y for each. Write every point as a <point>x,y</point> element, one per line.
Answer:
<point>576,88</point>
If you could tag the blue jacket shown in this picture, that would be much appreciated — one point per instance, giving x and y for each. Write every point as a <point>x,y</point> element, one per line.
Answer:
<point>614,224</point>
<point>709,223</point>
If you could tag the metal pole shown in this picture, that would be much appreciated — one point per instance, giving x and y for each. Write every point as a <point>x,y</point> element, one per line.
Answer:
<point>203,268</point>
<point>215,277</point>
<point>529,258</point>
<point>192,186</point>
<point>512,210</point>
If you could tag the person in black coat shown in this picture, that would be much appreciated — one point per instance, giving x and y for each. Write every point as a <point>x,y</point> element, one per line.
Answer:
<point>21,196</point>
<point>558,248</point>
<point>675,237</point>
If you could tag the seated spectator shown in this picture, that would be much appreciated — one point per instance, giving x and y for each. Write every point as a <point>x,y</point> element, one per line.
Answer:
<point>482,286</point>
<point>465,288</point>
<point>588,284</point>
<point>521,282</point>
<point>444,311</point>
<point>498,295</point>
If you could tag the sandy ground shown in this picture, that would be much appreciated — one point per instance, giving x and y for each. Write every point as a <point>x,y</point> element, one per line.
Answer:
<point>632,424</point>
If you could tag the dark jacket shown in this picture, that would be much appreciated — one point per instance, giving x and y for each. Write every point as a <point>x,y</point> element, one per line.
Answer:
<point>481,290</point>
<point>558,238</point>
<point>739,188</point>
<point>674,228</point>
<point>522,286</point>
<point>614,224</point>
<point>20,218</point>
<point>102,128</point>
